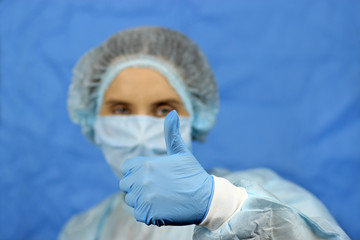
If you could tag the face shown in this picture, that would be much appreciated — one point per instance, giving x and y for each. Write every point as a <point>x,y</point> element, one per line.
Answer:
<point>141,91</point>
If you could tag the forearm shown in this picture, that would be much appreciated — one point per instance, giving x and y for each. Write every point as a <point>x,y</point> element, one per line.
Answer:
<point>264,215</point>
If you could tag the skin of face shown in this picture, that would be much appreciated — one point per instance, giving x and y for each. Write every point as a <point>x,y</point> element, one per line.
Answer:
<point>141,91</point>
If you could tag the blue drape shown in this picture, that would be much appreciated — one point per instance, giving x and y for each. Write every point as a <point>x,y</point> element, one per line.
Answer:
<point>289,81</point>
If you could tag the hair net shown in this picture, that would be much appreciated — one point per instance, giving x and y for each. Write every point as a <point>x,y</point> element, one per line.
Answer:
<point>184,65</point>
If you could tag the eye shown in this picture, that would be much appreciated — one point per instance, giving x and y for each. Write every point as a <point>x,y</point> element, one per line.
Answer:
<point>163,110</point>
<point>121,110</point>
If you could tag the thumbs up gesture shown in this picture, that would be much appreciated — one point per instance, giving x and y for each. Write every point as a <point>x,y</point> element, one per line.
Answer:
<point>170,190</point>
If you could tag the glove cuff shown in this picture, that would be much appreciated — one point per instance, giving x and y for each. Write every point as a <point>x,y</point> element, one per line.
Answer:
<point>227,200</point>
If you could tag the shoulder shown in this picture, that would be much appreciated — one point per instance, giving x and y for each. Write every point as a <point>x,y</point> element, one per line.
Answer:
<point>266,180</point>
<point>84,225</point>
<point>265,183</point>
<point>258,175</point>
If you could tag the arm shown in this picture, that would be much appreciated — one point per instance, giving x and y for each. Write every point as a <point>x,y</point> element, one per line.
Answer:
<point>176,190</point>
<point>274,209</point>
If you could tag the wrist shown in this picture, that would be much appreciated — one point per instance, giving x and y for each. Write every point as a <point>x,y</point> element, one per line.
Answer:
<point>226,201</point>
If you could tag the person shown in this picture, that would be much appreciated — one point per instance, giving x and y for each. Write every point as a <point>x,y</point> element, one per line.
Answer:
<point>142,96</point>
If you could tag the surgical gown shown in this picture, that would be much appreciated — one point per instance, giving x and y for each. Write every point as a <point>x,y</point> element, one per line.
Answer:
<point>275,209</point>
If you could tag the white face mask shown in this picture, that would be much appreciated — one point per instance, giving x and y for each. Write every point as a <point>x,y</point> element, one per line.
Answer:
<point>124,137</point>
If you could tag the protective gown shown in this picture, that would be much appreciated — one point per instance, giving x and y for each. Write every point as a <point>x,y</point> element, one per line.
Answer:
<point>275,209</point>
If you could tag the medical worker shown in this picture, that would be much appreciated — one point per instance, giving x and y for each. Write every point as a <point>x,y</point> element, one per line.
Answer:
<point>142,96</point>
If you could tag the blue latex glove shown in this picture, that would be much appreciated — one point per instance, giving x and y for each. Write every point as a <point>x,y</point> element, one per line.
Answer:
<point>170,190</point>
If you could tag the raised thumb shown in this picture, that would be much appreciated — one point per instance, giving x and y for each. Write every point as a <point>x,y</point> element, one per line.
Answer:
<point>173,139</point>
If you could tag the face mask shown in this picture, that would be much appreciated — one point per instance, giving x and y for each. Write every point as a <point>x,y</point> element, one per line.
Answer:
<point>124,137</point>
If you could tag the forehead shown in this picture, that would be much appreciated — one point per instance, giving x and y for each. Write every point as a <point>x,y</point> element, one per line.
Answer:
<point>140,83</point>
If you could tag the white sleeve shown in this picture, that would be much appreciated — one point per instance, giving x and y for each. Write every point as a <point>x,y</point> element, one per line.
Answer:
<point>227,200</point>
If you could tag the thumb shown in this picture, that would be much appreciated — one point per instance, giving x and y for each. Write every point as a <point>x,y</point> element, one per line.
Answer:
<point>173,139</point>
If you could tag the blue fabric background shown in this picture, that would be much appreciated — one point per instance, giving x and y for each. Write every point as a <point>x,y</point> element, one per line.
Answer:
<point>289,81</point>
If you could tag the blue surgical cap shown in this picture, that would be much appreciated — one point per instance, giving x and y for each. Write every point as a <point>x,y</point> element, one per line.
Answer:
<point>170,53</point>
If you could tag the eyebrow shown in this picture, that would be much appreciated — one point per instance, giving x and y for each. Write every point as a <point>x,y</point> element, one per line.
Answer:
<point>116,102</point>
<point>166,101</point>
<point>157,103</point>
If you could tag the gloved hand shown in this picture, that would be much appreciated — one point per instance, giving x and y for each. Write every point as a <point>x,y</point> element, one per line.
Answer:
<point>170,190</point>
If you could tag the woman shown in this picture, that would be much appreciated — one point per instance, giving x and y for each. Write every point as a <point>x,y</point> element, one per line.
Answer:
<point>120,95</point>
